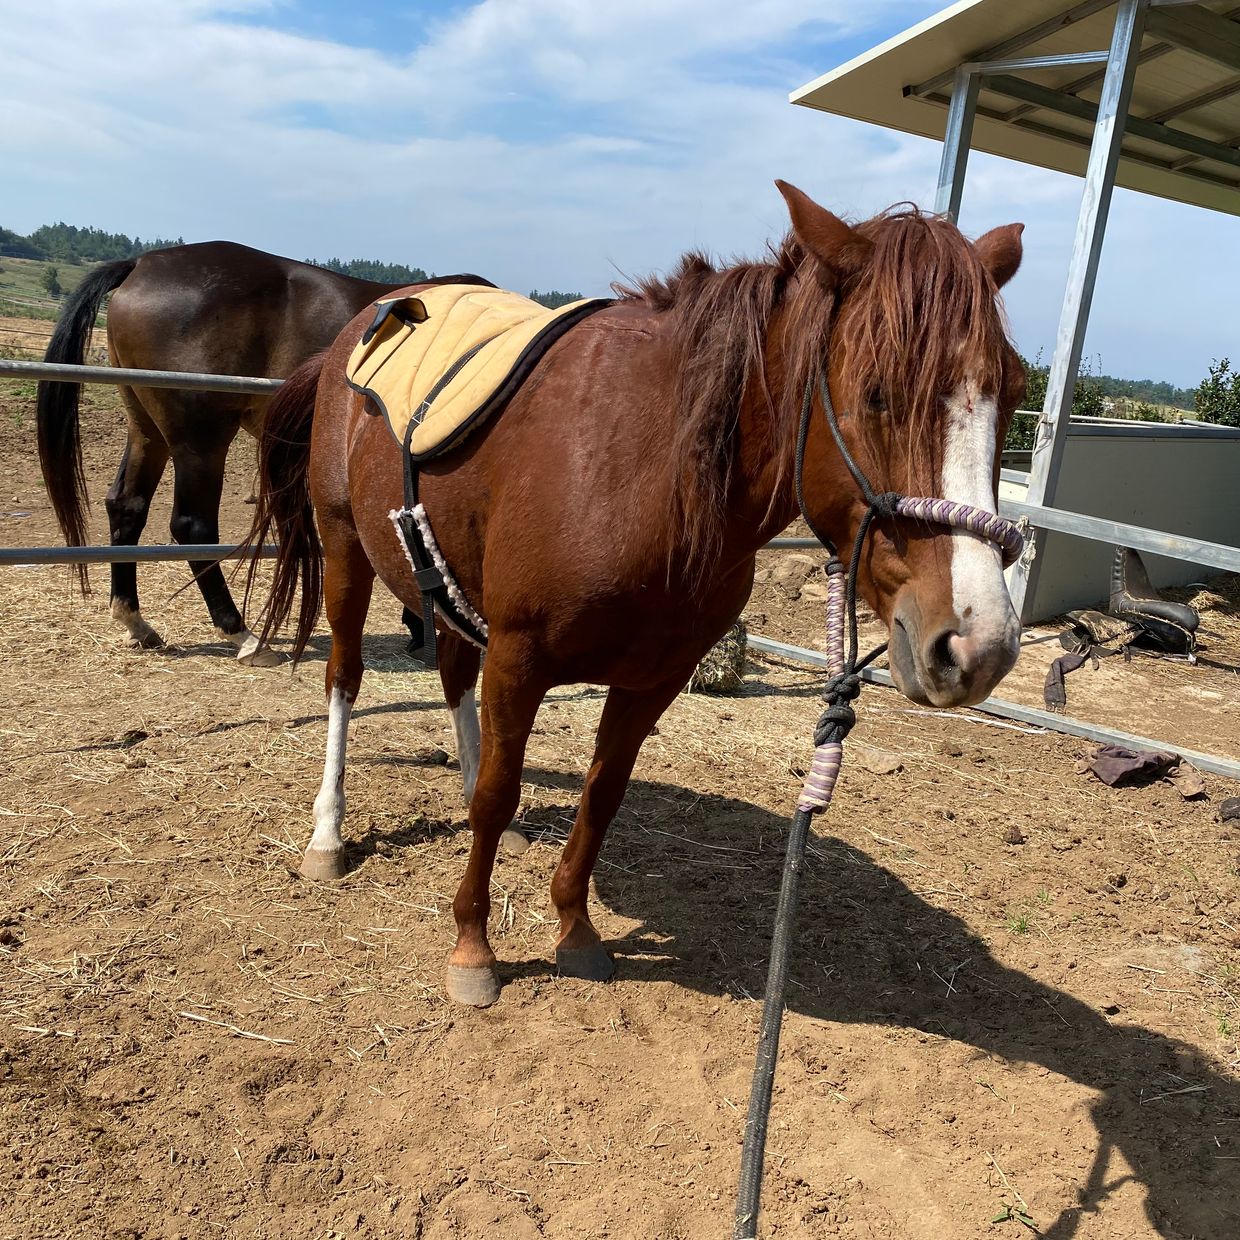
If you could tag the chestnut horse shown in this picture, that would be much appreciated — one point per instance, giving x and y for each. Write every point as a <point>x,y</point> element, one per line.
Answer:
<point>211,308</point>
<point>606,523</point>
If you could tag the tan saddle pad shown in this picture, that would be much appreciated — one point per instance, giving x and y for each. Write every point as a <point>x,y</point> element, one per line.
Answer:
<point>439,362</point>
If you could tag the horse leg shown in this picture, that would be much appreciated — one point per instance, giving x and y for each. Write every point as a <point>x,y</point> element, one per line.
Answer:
<point>348,578</point>
<point>458,670</point>
<point>627,719</point>
<point>198,483</point>
<point>509,703</point>
<point>128,503</point>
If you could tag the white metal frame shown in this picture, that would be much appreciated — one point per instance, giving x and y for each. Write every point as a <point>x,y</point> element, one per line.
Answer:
<point>1104,151</point>
<point>1111,121</point>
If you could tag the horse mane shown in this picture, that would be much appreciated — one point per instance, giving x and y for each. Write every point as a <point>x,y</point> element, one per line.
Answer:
<point>720,317</point>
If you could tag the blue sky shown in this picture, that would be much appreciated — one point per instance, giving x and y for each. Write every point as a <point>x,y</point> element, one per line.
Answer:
<point>543,143</point>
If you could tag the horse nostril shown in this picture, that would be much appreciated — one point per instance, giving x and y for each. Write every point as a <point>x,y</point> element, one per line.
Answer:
<point>942,653</point>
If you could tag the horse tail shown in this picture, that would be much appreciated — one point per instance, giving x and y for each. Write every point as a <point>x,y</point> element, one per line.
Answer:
<point>60,447</point>
<point>284,507</point>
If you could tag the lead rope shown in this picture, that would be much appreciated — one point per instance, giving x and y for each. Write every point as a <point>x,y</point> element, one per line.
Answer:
<point>842,689</point>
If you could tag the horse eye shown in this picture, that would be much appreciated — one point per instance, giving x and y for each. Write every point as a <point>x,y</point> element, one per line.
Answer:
<point>874,399</point>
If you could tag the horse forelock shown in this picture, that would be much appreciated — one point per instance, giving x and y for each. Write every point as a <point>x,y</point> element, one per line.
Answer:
<point>922,321</point>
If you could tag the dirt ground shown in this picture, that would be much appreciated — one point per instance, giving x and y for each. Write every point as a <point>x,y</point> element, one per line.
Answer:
<point>196,1042</point>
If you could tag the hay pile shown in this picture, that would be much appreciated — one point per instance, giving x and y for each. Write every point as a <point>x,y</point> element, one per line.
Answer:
<point>722,670</point>
<point>1218,604</point>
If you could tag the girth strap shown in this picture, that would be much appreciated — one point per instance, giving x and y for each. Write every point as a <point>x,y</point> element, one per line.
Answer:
<point>441,595</point>
<point>426,576</point>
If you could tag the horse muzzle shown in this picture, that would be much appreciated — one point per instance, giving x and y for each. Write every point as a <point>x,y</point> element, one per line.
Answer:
<point>956,663</point>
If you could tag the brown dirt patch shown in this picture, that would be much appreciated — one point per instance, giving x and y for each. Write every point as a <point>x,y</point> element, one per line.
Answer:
<point>969,1019</point>
<point>28,338</point>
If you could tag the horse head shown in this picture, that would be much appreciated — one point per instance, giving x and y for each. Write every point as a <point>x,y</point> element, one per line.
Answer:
<point>919,367</point>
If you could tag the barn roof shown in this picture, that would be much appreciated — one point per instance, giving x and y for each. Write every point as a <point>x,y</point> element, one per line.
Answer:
<point>1183,134</point>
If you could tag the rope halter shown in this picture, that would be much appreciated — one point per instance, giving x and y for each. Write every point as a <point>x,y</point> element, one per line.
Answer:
<point>844,686</point>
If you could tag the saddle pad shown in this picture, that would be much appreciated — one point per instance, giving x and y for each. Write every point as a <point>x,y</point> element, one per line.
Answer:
<point>439,362</point>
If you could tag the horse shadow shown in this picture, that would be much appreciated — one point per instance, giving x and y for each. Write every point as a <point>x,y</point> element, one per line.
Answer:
<point>1168,1110</point>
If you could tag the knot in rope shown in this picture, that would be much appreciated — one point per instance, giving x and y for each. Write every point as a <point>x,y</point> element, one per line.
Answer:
<point>885,503</point>
<point>842,688</point>
<point>835,723</point>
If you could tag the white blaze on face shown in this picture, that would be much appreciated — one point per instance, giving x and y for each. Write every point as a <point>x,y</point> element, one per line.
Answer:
<point>979,593</point>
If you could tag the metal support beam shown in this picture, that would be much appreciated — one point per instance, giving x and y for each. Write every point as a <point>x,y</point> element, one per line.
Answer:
<point>1069,105</point>
<point>1199,31</point>
<point>999,51</point>
<point>956,141</point>
<point>1054,60</point>
<point>138,378</point>
<point>1196,101</point>
<point>155,553</point>
<point>958,135</point>
<point>1077,85</point>
<point>1104,154</point>
<point>1003,709</point>
<point>1074,139</point>
<point>1181,164</point>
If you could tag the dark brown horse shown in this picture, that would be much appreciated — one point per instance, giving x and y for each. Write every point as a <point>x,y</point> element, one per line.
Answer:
<point>606,524</point>
<point>213,308</point>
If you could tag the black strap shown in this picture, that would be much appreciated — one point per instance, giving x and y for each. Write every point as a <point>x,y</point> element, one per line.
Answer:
<point>878,504</point>
<point>426,575</point>
<point>881,503</point>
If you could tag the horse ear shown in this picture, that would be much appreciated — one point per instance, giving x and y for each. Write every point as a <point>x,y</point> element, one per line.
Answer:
<point>840,248</point>
<point>1000,251</point>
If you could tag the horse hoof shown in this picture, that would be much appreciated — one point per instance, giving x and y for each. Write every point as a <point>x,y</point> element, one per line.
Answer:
<point>322,864</point>
<point>250,650</point>
<point>514,841</point>
<point>261,656</point>
<point>141,635</point>
<point>475,987</point>
<point>593,963</point>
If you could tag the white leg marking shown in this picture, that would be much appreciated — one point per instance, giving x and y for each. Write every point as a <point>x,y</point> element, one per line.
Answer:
<point>250,651</point>
<point>979,592</point>
<point>140,633</point>
<point>326,842</point>
<point>468,741</point>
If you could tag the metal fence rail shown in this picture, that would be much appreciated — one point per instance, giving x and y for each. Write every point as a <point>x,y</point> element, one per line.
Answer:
<point>1099,529</point>
<point>153,553</point>
<point>113,375</point>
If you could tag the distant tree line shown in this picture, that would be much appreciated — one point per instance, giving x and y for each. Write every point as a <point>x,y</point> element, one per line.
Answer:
<point>398,273</point>
<point>1215,399</point>
<point>1147,391</point>
<point>67,243</point>
<point>372,269</point>
<point>553,300</point>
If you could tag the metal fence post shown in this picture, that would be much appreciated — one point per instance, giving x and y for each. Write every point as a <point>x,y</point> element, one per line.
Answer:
<point>1104,153</point>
